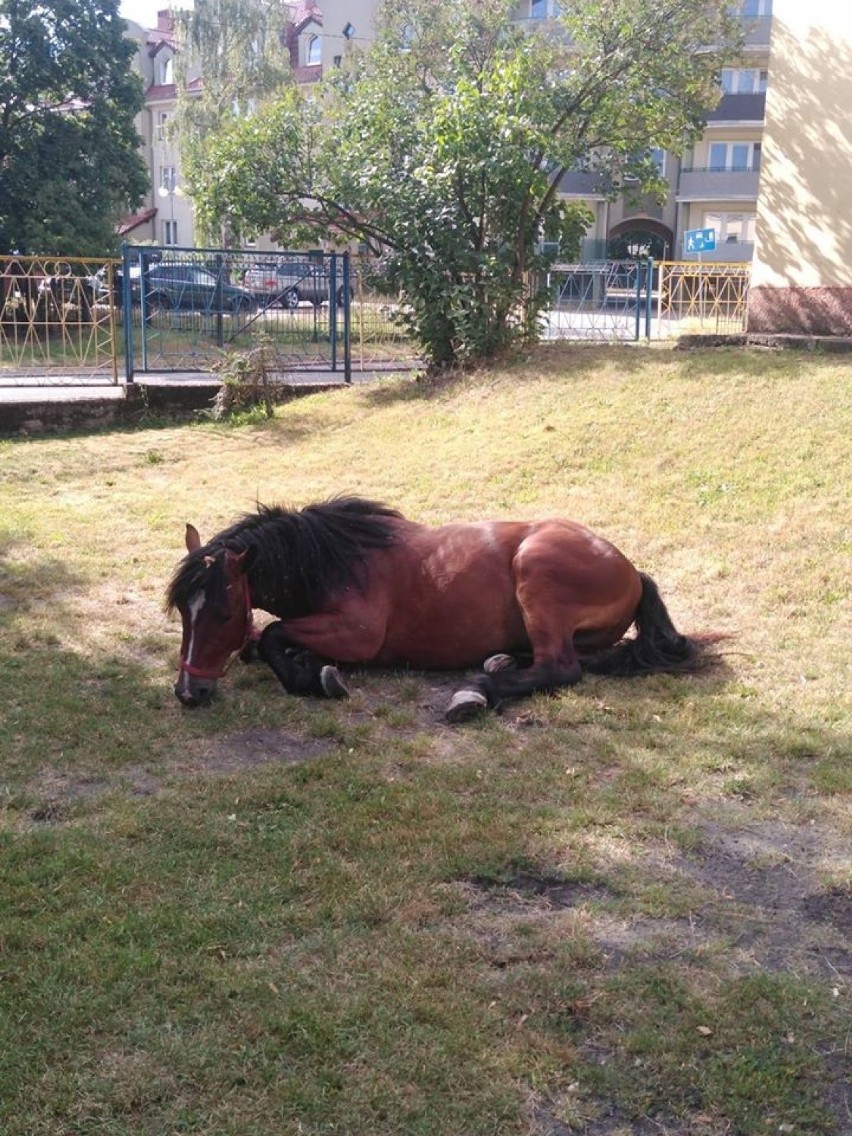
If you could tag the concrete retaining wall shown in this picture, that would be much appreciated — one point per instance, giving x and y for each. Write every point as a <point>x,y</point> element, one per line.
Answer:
<point>131,406</point>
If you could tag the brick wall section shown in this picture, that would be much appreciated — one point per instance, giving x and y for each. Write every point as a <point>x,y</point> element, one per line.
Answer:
<point>806,311</point>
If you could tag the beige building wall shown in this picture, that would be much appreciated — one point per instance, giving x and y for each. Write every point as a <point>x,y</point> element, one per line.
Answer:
<point>346,24</point>
<point>802,271</point>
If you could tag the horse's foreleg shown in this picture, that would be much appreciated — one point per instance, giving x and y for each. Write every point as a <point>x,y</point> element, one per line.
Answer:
<point>299,671</point>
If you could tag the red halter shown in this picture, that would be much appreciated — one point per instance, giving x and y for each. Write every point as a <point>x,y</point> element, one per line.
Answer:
<point>201,672</point>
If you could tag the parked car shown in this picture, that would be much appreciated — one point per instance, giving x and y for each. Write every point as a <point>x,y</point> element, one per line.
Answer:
<point>288,283</point>
<point>190,287</point>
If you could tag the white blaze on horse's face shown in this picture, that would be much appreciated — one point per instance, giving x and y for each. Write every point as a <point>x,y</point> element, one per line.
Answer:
<point>217,621</point>
<point>193,689</point>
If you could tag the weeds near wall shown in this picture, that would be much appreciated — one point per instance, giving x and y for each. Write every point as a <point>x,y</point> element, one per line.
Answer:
<point>246,382</point>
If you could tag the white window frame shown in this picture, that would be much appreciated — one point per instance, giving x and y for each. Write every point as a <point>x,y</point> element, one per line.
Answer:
<point>731,228</point>
<point>744,80</point>
<point>170,232</point>
<point>313,51</point>
<point>161,126</point>
<point>168,178</point>
<point>752,162</point>
<point>166,70</point>
<point>763,8</point>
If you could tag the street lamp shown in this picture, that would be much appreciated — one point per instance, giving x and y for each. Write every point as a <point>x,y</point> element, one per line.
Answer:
<point>171,191</point>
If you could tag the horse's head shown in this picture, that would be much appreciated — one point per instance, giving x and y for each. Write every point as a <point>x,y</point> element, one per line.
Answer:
<point>211,592</point>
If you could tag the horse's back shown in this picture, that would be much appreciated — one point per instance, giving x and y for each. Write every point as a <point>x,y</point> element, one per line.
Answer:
<point>463,592</point>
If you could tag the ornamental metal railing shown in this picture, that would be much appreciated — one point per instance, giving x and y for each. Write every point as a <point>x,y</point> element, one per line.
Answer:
<point>56,321</point>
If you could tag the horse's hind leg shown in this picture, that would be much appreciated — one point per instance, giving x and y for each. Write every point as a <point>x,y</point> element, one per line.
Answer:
<point>551,612</point>
<point>299,671</point>
<point>496,686</point>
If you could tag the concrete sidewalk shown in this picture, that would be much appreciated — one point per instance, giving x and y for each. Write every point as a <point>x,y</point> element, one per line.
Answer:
<point>68,388</point>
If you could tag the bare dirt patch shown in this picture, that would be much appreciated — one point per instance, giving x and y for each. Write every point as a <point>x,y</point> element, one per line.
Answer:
<point>258,746</point>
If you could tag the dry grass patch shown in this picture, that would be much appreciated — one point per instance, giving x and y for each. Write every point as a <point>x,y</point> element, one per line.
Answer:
<point>622,909</point>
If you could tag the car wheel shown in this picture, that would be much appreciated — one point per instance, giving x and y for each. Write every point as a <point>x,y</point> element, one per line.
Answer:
<point>341,296</point>
<point>291,299</point>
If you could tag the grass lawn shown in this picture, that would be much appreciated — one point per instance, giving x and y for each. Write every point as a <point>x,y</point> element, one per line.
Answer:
<point>623,909</point>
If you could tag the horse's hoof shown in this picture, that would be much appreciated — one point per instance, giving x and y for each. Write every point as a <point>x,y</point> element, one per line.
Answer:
<point>332,684</point>
<point>499,663</point>
<point>464,705</point>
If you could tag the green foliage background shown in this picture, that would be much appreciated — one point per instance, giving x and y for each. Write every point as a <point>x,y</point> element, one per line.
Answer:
<point>441,148</point>
<point>69,162</point>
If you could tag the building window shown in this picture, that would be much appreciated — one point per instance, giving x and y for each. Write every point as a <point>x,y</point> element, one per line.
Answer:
<point>658,157</point>
<point>166,70</point>
<point>349,30</point>
<point>161,127</point>
<point>751,9</point>
<point>168,179</point>
<point>538,9</point>
<point>731,228</point>
<point>314,52</point>
<point>170,233</point>
<point>734,156</point>
<point>744,80</point>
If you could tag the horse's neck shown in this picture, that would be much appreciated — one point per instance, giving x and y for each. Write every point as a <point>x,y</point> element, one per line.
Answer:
<point>275,587</point>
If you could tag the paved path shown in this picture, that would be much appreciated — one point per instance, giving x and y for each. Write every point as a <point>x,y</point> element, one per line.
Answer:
<point>55,388</point>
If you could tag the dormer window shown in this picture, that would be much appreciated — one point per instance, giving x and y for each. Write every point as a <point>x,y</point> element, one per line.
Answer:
<point>314,52</point>
<point>167,70</point>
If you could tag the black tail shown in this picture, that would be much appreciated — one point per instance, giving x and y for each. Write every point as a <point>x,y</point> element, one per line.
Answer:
<point>658,647</point>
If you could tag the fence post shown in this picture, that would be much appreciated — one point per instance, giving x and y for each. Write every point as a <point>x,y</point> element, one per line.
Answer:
<point>332,308</point>
<point>638,298</point>
<point>126,310</point>
<point>649,296</point>
<point>347,311</point>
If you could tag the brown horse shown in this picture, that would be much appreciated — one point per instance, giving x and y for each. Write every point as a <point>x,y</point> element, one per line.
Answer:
<point>352,581</point>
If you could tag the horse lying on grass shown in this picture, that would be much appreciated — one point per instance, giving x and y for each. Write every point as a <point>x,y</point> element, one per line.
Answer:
<point>352,581</point>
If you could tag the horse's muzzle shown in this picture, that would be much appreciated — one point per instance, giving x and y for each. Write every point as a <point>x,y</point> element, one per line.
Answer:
<point>192,694</point>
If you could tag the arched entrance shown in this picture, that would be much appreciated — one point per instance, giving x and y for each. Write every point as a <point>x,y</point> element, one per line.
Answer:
<point>639,238</point>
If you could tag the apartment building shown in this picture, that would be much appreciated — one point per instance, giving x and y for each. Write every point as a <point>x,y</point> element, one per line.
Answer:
<point>715,185</point>
<point>165,217</point>
<point>712,186</point>
<point>802,270</point>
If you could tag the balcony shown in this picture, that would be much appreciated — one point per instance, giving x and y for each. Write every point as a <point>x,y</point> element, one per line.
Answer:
<point>582,183</point>
<point>739,108</point>
<point>717,185</point>
<point>756,30</point>
<point>728,252</point>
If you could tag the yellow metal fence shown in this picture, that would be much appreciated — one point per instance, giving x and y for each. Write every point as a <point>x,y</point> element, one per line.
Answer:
<point>58,320</point>
<point>693,298</point>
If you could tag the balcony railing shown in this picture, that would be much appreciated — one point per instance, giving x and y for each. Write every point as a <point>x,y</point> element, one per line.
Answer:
<point>728,252</point>
<point>739,108</point>
<point>583,183</point>
<point>756,30</point>
<point>698,184</point>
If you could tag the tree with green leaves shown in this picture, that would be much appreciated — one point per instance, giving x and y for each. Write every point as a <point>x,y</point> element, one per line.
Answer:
<point>236,51</point>
<point>442,147</point>
<point>69,161</point>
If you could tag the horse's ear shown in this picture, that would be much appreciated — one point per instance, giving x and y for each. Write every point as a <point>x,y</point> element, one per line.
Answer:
<point>193,540</point>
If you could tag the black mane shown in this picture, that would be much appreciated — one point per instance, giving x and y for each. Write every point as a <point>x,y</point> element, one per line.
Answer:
<point>297,556</point>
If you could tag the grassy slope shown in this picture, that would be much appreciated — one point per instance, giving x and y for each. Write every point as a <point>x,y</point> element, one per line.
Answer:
<point>628,901</point>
